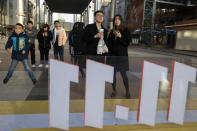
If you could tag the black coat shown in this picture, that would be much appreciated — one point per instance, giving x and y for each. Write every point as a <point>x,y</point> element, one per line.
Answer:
<point>44,42</point>
<point>118,50</point>
<point>91,42</point>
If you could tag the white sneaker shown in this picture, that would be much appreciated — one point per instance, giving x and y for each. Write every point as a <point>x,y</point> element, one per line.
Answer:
<point>41,65</point>
<point>33,65</point>
<point>46,65</point>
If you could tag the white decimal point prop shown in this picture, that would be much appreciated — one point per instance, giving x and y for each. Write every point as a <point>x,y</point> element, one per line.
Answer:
<point>180,77</point>
<point>97,74</point>
<point>152,74</point>
<point>122,112</point>
<point>61,74</point>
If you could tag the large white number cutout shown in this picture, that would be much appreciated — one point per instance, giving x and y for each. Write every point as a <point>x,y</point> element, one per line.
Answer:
<point>152,74</point>
<point>181,75</point>
<point>97,74</point>
<point>61,74</point>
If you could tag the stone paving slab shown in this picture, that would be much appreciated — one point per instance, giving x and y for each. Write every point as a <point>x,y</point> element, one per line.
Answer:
<point>18,87</point>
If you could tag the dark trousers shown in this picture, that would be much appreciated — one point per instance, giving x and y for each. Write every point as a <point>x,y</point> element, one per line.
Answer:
<point>59,50</point>
<point>125,80</point>
<point>44,55</point>
<point>32,52</point>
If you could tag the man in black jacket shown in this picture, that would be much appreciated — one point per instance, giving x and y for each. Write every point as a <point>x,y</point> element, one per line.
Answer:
<point>92,35</point>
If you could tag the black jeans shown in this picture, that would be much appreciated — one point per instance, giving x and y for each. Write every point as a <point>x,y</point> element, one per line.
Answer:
<point>32,52</point>
<point>44,55</point>
<point>125,80</point>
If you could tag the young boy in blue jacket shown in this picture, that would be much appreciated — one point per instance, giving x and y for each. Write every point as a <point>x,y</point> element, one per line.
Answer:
<point>19,43</point>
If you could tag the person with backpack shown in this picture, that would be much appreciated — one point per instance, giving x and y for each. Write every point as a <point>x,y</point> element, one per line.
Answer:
<point>71,43</point>
<point>77,45</point>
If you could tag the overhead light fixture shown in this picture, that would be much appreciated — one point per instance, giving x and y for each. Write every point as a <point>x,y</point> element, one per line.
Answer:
<point>163,10</point>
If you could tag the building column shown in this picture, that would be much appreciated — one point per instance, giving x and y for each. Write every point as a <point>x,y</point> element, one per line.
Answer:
<point>127,11</point>
<point>39,14</point>
<point>99,5</point>
<point>26,10</point>
<point>51,18</point>
<point>1,10</point>
<point>1,24</point>
<point>148,19</point>
<point>49,15</point>
<point>4,12</point>
<point>44,13</point>
<point>74,18</point>
<point>36,15</point>
<point>95,5</point>
<point>81,18</point>
<point>112,10</point>
<point>8,12</point>
<point>20,11</point>
<point>87,16</point>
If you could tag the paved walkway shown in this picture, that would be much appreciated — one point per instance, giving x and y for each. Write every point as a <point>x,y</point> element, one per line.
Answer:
<point>20,86</point>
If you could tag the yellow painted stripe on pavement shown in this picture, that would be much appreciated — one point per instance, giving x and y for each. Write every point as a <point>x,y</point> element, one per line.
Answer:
<point>77,106</point>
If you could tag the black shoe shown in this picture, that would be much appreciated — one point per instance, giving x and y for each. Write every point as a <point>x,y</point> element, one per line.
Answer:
<point>34,81</point>
<point>113,94</point>
<point>128,95</point>
<point>5,81</point>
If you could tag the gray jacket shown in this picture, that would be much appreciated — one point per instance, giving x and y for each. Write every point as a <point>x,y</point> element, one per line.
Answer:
<point>32,35</point>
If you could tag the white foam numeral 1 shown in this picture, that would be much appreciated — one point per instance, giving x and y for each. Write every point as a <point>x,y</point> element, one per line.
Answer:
<point>61,74</point>
<point>180,78</point>
<point>97,74</point>
<point>152,74</point>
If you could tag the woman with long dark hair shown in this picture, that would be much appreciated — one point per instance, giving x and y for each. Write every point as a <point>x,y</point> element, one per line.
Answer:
<point>78,33</point>
<point>71,43</point>
<point>118,42</point>
<point>77,45</point>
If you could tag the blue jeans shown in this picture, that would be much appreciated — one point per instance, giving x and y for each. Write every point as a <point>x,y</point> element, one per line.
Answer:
<point>26,66</point>
<point>59,50</point>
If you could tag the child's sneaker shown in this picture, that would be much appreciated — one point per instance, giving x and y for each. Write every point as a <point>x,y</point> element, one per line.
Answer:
<point>33,65</point>
<point>46,65</point>
<point>41,65</point>
<point>5,81</point>
<point>34,81</point>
